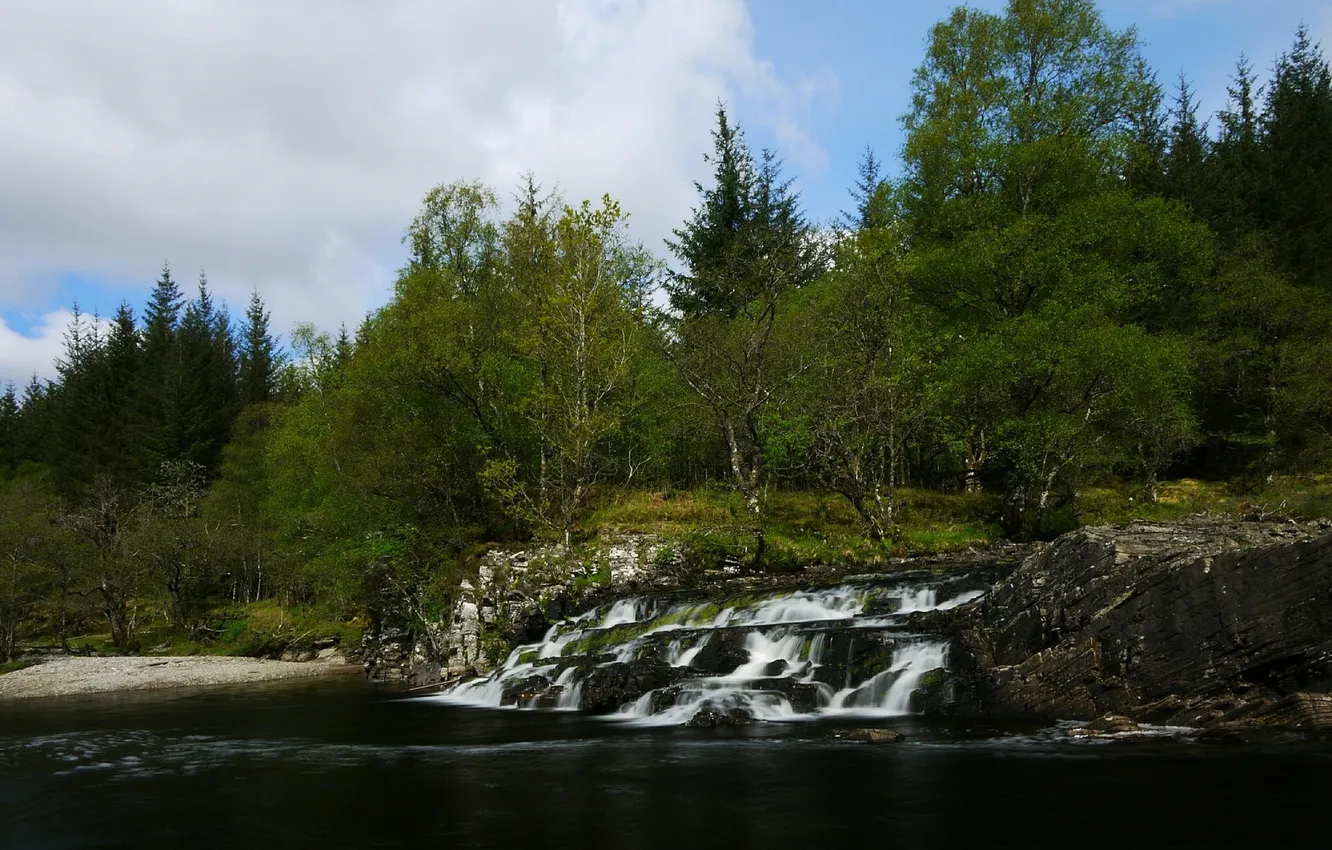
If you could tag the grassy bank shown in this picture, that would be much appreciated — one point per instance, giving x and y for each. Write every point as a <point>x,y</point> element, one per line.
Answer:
<point>710,528</point>
<point>804,528</point>
<point>263,629</point>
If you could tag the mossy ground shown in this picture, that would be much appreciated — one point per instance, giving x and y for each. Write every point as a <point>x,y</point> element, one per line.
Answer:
<point>17,664</point>
<point>800,528</point>
<point>257,629</point>
<point>803,528</point>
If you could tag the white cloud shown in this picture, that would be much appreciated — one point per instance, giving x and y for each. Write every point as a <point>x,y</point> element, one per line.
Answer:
<point>286,145</point>
<point>23,355</point>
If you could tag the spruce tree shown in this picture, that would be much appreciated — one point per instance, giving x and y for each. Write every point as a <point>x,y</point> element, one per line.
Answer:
<point>1184,161</point>
<point>207,381</point>
<point>258,355</point>
<point>75,405</point>
<point>1144,171</point>
<point>714,277</point>
<point>118,386</point>
<point>34,433</point>
<point>1235,165</point>
<point>160,380</point>
<point>1297,143</point>
<point>865,192</point>
<point>9,431</point>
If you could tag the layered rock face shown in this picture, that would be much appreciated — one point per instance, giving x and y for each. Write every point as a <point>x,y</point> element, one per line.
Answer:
<point>515,597</point>
<point>1191,623</point>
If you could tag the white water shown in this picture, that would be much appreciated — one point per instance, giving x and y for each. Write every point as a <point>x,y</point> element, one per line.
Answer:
<point>786,637</point>
<point>888,694</point>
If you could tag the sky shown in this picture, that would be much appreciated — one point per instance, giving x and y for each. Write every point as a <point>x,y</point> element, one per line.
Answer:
<point>283,145</point>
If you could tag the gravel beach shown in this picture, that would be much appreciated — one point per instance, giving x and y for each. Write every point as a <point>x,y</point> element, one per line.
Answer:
<point>65,676</point>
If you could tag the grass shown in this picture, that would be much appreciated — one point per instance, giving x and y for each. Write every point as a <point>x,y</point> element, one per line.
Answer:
<point>1304,497</point>
<point>800,528</point>
<point>17,664</point>
<point>257,629</point>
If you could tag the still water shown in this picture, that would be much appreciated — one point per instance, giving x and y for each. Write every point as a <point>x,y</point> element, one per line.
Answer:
<point>334,764</point>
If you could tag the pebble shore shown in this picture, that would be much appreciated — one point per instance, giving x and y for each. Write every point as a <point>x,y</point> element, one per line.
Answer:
<point>67,676</point>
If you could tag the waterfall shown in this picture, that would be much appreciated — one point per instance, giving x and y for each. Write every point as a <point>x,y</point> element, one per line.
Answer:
<point>888,693</point>
<point>796,654</point>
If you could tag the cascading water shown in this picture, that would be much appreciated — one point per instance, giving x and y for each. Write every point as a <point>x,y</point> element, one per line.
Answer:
<point>779,656</point>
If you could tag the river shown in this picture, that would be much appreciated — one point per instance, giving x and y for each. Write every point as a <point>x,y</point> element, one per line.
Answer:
<point>334,763</point>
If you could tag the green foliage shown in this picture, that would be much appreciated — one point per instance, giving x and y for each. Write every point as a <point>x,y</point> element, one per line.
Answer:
<point>1076,305</point>
<point>19,664</point>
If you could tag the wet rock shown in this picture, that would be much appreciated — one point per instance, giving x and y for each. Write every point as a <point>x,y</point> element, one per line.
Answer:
<point>608,687</point>
<point>1112,724</point>
<point>854,655</point>
<point>1106,726</point>
<point>870,735</point>
<point>934,693</point>
<point>1185,622</point>
<point>523,691</point>
<point>1218,735</point>
<point>711,716</point>
<point>803,696</point>
<point>1304,711</point>
<point>723,653</point>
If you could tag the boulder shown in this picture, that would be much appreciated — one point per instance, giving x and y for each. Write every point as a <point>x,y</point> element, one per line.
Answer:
<point>723,654</point>
<point>712,716</point>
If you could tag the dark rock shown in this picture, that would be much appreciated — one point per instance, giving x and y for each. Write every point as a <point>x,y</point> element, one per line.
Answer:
<point>712,716</point>
<point>869,735</point>
<point>1218,735</point>
<point>854,655</point>
<point>803,696</point>
<point>1305,711</point>
<point>1186,622</point>
<point>722,654</point>
<point>934,693</point>
<point>523,691</point>
<point>608,687</point>
<point>1112,724</point>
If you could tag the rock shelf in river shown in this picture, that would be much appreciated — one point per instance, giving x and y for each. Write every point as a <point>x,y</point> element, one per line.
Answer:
<point>846,650</point>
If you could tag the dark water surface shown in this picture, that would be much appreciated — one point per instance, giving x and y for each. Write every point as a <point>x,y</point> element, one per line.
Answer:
<point>334,764</point>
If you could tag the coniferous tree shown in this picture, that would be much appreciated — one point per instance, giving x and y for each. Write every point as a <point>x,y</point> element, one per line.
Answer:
<point>257,355</point>
<point>76,404</point>
<point>34,435</point>
<point>714,278</point>
<point>745,250</point>
<point>1297,143</point>
<point>342,346</point>
<point>207,381</point>
<point>1235,163</point>
<point>9,431</point>
<point>1145,170</point>
<point>869,210</point>
<point>121,431</point>
<point>160,379</point>
<point>1184,161</point>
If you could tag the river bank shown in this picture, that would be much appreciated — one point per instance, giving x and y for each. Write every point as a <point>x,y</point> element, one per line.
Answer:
<point>65,676</point>
<point>1206,622</point>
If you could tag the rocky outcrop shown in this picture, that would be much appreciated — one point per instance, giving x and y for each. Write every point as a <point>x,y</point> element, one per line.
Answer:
<point>1192,623</point>
<point>515,596</point>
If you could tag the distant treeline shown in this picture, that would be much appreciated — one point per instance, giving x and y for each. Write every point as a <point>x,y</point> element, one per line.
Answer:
<point>1076,281</point>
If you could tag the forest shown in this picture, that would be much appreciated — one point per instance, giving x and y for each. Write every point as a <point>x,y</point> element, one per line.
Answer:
<point>1081,300</point>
